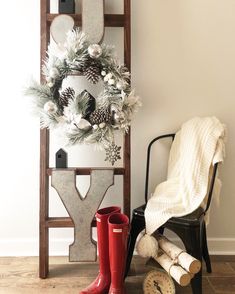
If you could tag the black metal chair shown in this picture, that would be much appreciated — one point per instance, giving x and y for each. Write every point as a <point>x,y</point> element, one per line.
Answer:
<point>190,228</point>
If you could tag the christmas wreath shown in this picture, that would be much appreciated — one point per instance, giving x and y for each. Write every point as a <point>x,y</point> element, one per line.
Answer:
<point>83,118</point>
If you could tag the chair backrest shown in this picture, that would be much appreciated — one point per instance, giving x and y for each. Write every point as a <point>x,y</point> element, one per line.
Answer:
<point>172,136</point>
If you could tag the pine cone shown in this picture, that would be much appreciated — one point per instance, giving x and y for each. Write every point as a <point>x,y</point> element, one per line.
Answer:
<point>64,97</point>
<point>92,73</point>
<point>100,115</point>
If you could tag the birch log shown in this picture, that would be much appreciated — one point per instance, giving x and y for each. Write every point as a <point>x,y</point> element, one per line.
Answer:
<point>177,272</point>
<point>184,259</point>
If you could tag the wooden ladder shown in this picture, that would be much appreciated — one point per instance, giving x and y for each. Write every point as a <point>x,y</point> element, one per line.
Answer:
<point>46,222</point>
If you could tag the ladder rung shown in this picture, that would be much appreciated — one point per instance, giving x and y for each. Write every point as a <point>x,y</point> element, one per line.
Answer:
<point>62,222</point>
<point>110,20</point>
<point>87,170</point>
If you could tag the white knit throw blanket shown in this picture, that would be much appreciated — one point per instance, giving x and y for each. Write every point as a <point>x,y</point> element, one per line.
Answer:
<point>196,147</point>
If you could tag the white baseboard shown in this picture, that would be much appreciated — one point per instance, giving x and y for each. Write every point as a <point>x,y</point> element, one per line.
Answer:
<point>222,246</point>
<point>59,247</point>
<point>30,247</point>
<point>216,246</point>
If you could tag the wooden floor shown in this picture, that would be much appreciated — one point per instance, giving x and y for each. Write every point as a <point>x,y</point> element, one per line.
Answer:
<point>20,275</point>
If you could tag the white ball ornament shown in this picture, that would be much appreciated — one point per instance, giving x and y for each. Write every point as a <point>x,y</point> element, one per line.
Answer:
<point>50,84</point>
<point>108,77</point>
<point>95,127</point>
<point>102,125</point>
<point>50,107</point>
<point>94,50</point>
<point>54,73</point>
<point>103,73</point>
<point>111,82</point>
<point>147,246</point>
<point>120,86</point>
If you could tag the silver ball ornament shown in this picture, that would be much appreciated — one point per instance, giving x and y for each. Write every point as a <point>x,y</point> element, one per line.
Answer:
<point>94,51</point>
<point>50,107</point>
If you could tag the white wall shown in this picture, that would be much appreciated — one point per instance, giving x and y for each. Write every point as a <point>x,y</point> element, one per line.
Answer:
<point>183,65</point>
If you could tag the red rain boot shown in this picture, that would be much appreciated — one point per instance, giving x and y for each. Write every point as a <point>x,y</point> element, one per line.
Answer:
<point>118,233</point>
<point>102,282</point>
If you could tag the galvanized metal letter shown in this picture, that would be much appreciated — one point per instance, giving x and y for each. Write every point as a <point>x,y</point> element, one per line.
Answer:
<point>93,20</point>
<point>82,210</point>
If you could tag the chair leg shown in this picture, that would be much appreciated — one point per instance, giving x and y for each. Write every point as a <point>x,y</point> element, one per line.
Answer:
<point>205,252</point>
<point>136,227</point>
<point>193,246</point>
<point>196,283</point>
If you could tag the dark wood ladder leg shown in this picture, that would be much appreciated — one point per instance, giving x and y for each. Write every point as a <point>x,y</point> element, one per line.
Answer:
<point>43,254</point>
<point>44,204</point>
<point>44,157</point>
<point>127,176</point>
<point>127,137</point>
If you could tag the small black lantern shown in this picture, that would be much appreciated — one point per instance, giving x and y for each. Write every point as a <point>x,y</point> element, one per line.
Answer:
<point>67,6</point>
<point>61,159</point>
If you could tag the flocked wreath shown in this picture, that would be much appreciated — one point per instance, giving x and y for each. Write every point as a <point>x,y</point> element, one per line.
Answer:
<point>83,118</point>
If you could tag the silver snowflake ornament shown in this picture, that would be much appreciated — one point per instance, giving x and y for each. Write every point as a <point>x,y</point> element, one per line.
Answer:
<point>112,153</point>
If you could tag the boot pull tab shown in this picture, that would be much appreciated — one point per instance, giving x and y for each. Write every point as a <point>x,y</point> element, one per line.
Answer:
<point>117,230</point>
